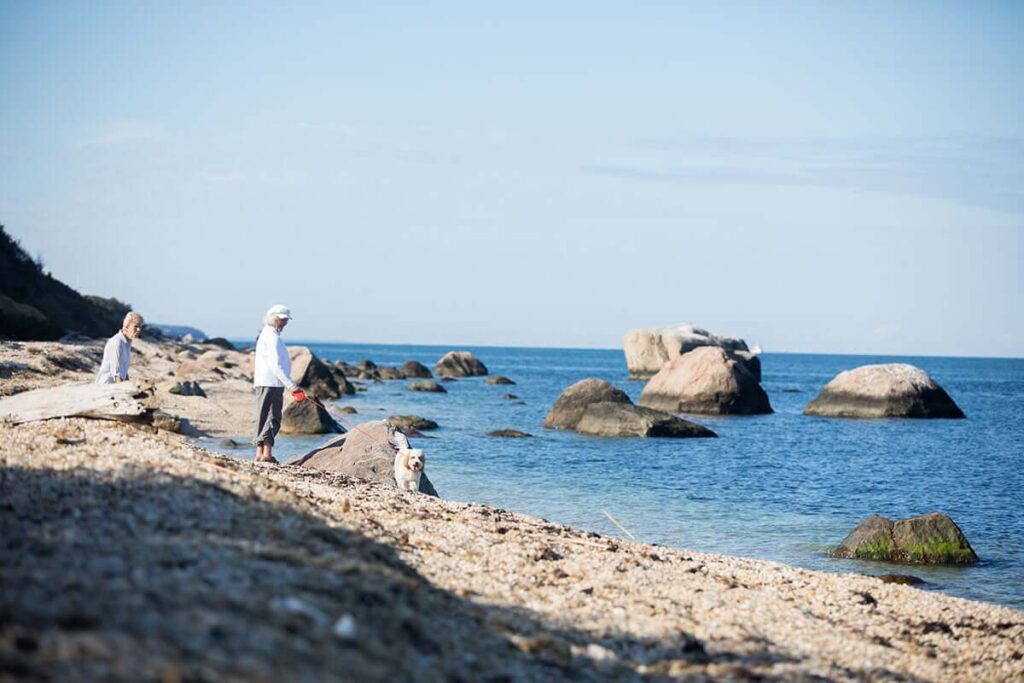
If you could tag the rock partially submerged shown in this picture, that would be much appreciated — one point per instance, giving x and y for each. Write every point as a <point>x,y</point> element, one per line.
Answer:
<point>928,539</point>
<point>888,390</point>
<point>366,452</point>
<point>498,379</point>
<point>308,418</point>
<point>708,381</point>
<point>414,423</point>
<point>428,385</point>
<point>414,369</point>
<point>509,434</point>
<point>459,364</point>
<point>596,408</point>
<point>648,349</point>
<point>626,419</point>
<point>570,406</point>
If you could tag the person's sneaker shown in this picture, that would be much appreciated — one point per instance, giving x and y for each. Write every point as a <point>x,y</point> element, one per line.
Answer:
<point>267,458</point>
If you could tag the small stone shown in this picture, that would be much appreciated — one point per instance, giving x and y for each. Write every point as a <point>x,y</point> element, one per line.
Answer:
<point>345,628</point>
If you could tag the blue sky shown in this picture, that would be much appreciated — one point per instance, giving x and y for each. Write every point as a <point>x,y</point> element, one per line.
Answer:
<point>810,176</point>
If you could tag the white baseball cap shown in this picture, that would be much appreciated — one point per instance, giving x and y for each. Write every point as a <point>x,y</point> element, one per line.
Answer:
<point>280,311</point>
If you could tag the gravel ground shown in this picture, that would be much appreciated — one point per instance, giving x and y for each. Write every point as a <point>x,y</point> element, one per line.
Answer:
<point>129,554</point>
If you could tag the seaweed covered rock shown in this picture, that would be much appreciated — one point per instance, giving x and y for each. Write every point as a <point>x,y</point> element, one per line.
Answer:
<point>887,390</point>
<point>459,364</point>
<point>705,380</point>
<point>927,539</point>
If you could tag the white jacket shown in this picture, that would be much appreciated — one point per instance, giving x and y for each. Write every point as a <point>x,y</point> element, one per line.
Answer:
<point>273,366</point>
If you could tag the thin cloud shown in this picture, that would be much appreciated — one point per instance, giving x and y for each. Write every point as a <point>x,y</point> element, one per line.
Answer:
<point>973,171</point>
<point>124,133</point>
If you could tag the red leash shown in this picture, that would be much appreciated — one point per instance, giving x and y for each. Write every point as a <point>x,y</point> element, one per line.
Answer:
<point>337,415</point>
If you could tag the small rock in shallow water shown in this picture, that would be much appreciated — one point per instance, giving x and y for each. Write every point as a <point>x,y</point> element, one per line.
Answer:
<point>509,433</point>
<point>901,579</point>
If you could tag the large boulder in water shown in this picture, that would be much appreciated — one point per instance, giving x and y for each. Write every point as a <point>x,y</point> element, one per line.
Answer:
<point>596,408</point>
<point>927,539</point>
<point>570,406</point>
<point>626,419</point>
<point>310,373</point>
<point>307,418</point>
<point>889,390</point>
<point>707,381</point>
<point>459,364</point>
<point>648,349</point>
<point>366,452</point>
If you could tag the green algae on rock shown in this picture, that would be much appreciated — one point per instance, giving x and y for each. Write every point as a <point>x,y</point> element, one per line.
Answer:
<point>927,539</point>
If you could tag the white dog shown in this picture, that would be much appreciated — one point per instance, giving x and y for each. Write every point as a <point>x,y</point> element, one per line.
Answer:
<point>409,464</point>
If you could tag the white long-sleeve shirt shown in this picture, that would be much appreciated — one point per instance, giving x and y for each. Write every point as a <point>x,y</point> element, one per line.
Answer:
<point>117,354</point>
<point>273,366</point>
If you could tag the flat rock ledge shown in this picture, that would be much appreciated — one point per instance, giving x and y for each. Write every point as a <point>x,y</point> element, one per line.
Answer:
<point>888,390</point>
<point>928,539</point>
<point>596,408</point>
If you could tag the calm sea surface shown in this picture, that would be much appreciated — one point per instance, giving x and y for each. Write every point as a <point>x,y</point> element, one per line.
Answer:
<point>781,487</point>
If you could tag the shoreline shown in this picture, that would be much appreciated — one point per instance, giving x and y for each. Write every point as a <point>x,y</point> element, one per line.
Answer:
<point>100,516</point>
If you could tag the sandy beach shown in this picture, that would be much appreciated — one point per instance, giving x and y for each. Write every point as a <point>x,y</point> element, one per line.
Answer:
<point>132,554</point>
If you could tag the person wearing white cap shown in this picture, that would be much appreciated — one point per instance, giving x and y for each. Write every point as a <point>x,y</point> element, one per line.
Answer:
<point>272,375</point>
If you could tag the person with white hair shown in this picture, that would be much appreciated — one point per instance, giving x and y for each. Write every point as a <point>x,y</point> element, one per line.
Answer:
<point>271,377</point>
<point>117,353</point>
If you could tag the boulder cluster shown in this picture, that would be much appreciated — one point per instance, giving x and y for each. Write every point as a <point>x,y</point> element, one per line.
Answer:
<point>596,408</point>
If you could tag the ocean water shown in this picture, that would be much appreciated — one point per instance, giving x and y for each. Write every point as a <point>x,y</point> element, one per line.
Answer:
<point>782,487</point>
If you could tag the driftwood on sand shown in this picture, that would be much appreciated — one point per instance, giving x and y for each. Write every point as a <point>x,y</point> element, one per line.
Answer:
<point>104,401</point>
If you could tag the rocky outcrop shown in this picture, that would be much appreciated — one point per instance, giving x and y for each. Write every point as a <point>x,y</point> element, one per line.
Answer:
<point>705,381</point>
<point>648,349</point>
<point>889,390</point>
<point>499,379</point>
<point>570,406</point>
<point>36,305</point>
<point>626,419</point>
<point>459,364</point>
<point>367,453</point>
<point>928,539</point>
<point>596,408</point>
<point>310,373</point>
<point>308,418</point>
<point>428,385</point>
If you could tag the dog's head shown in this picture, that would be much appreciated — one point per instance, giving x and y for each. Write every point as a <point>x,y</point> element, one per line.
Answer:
<point>412,459</point>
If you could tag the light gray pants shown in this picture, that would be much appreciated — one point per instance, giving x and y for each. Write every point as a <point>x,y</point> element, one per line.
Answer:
<point>268,414</point>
